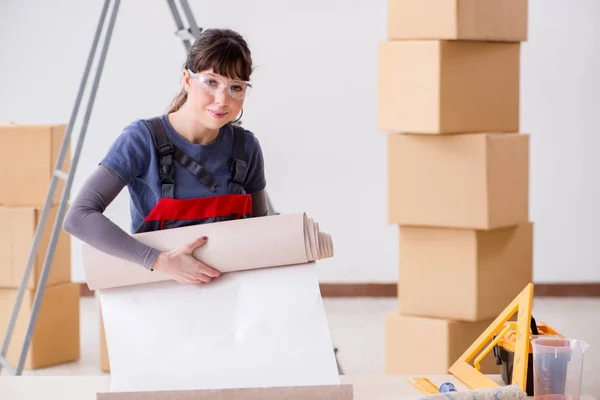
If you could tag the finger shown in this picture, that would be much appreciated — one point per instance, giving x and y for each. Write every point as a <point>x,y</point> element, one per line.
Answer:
<point>190,247</point>
<point>202,278</point>
<point>205,269</point>
<point>197,277</point>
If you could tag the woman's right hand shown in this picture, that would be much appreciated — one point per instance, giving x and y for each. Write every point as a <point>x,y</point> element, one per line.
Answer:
<point>183,267</point>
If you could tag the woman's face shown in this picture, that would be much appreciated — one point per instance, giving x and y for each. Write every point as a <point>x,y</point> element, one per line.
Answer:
<point>215,99</point>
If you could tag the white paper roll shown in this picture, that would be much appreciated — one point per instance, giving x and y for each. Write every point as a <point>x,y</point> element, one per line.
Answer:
<point>253,243</point>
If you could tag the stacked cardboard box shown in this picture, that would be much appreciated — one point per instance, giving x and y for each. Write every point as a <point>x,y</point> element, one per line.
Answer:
<point>26,168</point>
<point>458,174</point>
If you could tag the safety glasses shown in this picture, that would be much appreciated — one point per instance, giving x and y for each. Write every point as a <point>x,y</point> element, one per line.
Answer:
<point>213,84</point>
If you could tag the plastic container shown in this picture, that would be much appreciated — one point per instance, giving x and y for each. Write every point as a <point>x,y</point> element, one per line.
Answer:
<point>557,368</point>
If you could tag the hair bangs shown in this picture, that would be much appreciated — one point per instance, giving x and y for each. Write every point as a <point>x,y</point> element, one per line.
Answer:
<point>226,57</point>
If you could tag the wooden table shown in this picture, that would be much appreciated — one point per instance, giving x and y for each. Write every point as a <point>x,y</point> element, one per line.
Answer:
<point>371,387</point>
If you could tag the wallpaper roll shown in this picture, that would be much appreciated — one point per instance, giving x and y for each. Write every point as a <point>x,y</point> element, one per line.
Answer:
<point>253,243</point>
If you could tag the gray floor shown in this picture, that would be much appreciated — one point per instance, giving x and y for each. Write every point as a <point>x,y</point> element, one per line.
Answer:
<point>357,328</point>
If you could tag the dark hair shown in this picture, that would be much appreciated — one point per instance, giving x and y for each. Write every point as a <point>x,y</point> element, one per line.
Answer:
<point>223,50</point>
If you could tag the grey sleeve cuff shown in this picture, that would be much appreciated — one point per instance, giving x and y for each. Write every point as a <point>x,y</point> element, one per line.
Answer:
<point>86,221</point>
<point>259,204</point>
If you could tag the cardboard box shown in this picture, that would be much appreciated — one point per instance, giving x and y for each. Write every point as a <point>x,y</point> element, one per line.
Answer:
<point>440,87</point>
<point>16,238</point>
<point>26,168</point>
<point>463,274</point>
<point>429,346</point>
<point>55,338</point>
<point>473,181</point>
<point>484,20</point>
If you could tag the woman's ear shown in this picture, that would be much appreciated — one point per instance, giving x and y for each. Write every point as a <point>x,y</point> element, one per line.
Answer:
<point>187,79</point>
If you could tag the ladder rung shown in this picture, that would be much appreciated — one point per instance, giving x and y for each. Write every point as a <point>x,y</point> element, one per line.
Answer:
<point>7,366</point>
<point>61,174</point>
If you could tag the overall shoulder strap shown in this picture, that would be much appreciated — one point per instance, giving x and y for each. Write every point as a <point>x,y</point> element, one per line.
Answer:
<point>201,173</point>
<point>239,167</point>
<point>164,150</point>
<point>166,153</point>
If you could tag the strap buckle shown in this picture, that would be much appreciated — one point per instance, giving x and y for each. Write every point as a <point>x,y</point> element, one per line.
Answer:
<point>167,173</point>
<point>165,149</point>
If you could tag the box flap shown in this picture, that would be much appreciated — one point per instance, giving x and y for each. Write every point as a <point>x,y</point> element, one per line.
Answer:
<point>324,392</point>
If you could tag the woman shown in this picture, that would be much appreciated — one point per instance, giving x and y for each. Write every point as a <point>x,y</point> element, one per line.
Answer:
<point>189,166</point>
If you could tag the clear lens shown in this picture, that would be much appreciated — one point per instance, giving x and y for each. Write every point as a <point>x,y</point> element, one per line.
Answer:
<point>213,85</point>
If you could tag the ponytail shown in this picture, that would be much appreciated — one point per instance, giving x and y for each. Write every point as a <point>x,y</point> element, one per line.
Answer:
<point>178,101</point>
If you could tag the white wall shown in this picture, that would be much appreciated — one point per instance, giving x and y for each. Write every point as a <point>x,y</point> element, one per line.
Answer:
<point>314,110</point>
<point>560,108</point>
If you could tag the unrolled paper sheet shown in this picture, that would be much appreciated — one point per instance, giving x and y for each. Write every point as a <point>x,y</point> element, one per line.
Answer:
<point>254,328</point>
<point>238,245</point>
